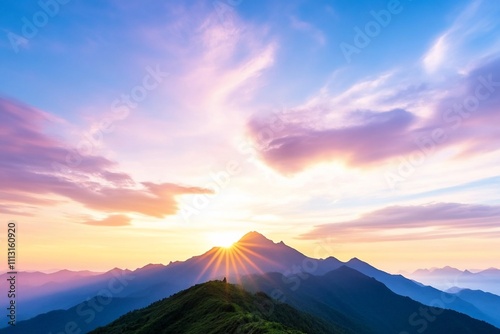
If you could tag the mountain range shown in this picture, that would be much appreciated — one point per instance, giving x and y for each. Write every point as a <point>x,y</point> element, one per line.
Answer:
<point>218,307</point>
<point>356,301</point>
<point>448,277</point>
<point>87,300</point>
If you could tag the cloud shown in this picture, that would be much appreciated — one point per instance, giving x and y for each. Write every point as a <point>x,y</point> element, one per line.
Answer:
<point>218,54</point>
<point>307,27</point>
<point>32,164</point>
<point>380,135</point>
<point>430,221</point>
<point>453,47</point>
<point>437,54</point>
<point>14,210</point>
<point>113,220</point>
<point>213,54</point>
<point>463,113</point>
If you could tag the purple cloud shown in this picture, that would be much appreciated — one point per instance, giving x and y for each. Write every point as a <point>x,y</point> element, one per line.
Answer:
<point>438,220</point>
<point>381,135</point>
<point>28,157</point>
<point>113,220</point>
<point>466,118</point>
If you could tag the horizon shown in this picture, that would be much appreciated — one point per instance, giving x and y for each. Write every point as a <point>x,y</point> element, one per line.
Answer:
<point>51,271</point>
<point>136,133</point>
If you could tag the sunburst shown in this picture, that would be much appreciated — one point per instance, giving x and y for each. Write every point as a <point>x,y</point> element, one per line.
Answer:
<point>235,260</point>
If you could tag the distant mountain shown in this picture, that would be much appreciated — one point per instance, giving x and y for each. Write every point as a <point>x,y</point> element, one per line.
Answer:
<point>366,302</point>
<point>37,279</point>
<point>424,294</point>
<point>81,318</point>
<point>39,285</point>
<point>252,254</point>
<point>217,307</point>
<point>486,302</point>
<point>448,277</point>
<point>442,271</point>
<point>64,292</point>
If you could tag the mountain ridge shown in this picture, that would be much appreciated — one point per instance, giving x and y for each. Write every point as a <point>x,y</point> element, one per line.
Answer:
<point>254,254</point>
<point>218,307</point>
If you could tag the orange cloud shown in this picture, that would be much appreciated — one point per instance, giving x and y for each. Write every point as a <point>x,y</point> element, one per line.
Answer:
<point>113,220</point>
<point>34,164</point>
<point>431,221</point>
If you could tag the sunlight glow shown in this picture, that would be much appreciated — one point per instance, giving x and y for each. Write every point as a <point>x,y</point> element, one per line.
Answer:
<point>233,262</point>
<point>223,239</point>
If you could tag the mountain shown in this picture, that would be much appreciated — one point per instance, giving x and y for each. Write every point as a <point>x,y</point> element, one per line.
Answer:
<point>364,301</point>
<point>38,284</point>
<point>448,277</point>
<point>486,302</point>
<point>218,307</point>
<point>64,293</point>
<point>81,318</point>
<point>37,279</point>
<point>252,254</point>
<point>424,294</point>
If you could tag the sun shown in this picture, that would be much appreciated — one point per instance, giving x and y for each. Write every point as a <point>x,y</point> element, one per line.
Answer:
<point>224,239</point>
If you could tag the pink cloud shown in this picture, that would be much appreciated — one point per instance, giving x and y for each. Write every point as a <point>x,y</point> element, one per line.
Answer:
<point>371,137</point>
<point>113,220</point>
<point>381,135</point>
<point>438,220</point>
<point>28,157</point>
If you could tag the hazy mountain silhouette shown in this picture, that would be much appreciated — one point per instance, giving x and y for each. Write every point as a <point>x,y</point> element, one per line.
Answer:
<point>486,302</point>
<point>448,277</point>
<point>424,294</point>
<point>252,254</point>
<point>364,301</point>
<point>38,285</point>
<point>62,293</point>
<point>81,318</point>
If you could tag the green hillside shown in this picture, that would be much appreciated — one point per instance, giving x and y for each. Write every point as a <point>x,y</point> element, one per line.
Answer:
<point>217,307</point>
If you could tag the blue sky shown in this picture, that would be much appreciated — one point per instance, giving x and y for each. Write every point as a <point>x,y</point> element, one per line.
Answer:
<point>178,120</point>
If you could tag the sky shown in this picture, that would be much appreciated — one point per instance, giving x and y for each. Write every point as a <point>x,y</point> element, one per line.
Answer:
<point>149,131</point>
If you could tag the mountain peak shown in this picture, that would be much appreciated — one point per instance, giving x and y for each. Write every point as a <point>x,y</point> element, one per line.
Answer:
<point>356,260</point>
<point>255,238</point>
<point>450,268</point>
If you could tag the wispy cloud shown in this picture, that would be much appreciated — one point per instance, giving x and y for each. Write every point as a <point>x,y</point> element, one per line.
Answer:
<point>309,28</point>
<point>27,171</point>
<point>356,145</point>
<point>437,53</point>
<point>452,48</point>
<point>362,137</point>
<point>112,220</point>
<point>430,221</point>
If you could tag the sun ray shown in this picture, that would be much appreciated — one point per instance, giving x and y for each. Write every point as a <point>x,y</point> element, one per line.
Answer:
<point>215,269</point>
<point>251,252</point>
<point>248,260</point>
<point>207,266</point>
